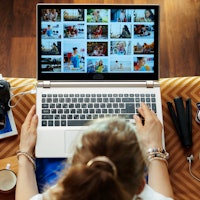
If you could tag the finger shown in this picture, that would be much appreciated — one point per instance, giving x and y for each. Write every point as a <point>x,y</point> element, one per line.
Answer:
<point>30,116</point>
<point>140,111</point>
<point>146,112</point>
<point>138,121</point>
<point>154,114</point>
<point>34,123</point>
<point>30,113</point>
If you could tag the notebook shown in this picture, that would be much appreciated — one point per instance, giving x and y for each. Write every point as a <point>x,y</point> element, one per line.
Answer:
<point>93,61</point>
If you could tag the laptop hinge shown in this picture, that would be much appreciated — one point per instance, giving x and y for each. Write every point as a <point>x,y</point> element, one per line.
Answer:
<point>150,84</point>
<point>46,84</point>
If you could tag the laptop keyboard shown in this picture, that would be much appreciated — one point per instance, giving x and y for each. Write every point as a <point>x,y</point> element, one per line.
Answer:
<point>78,109</point>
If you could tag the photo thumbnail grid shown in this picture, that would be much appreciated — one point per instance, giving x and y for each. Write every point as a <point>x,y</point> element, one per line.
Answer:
<point>97,40</point>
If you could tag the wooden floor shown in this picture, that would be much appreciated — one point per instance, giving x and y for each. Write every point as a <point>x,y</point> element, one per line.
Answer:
<point>179,36</point>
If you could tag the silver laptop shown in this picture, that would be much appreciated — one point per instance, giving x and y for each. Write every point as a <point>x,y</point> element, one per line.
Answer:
<point>93,61</point>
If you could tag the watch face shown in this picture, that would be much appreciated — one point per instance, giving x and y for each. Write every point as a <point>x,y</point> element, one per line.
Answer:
<point>198,105</point>
<point>198,113</point>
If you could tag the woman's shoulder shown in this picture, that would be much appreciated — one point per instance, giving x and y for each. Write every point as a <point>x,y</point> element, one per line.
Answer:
<point>40,196</point>
<point>149,192</point>
<point>37,197</point>
<point>45,194</point>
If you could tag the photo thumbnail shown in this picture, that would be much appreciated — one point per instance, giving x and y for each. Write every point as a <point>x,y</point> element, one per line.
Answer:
<point>51,15</point>
<point>74,31</point>
<point>97,15</point>
<point>120,47</point>
<point>144,31</point>
<point>97,32</point>
<point>121,15</point>
<point>143,15</point>
<point>120,31</point>
<point>50,47</point>
<point>74,57</point>
<point>143,63</point>
<point>97,65</point>
<point>51,64</point>
<point>120,65</point>
<point>73,15</point>
<point>144,46</point>
<point>97,48</point>
<point>50,31</point>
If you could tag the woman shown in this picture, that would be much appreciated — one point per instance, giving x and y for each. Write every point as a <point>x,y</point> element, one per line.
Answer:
<point>75,59</point>
<point>149,16</point>
<point>140,65</point>
<point>107,164</point>
<point>100,67</point>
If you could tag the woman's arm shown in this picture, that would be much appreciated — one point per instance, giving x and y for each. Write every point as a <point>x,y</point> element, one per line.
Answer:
<point>159,178</point>
<point>150,136</point>
<point>26,179</point>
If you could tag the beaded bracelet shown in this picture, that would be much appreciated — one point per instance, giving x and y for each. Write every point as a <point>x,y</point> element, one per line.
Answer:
<point>28,156</point>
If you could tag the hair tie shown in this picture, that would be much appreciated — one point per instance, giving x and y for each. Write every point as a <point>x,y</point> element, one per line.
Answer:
<point>105,160</point>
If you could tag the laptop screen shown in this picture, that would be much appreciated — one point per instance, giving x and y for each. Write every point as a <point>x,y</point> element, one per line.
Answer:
<point>97,42</point>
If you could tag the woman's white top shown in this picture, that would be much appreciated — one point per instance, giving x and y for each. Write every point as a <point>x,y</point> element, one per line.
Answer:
<point>147,194</point>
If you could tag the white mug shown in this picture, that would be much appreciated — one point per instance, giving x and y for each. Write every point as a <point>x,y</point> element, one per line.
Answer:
<point>8,180</point>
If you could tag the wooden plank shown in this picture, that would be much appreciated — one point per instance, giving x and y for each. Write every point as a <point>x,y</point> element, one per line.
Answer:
<point>23,60</point>
<point>6,32</point>
<point>182,37</point>
<point>24,15</point>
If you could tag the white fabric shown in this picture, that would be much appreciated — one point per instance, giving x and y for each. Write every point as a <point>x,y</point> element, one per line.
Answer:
<point>147,194</point>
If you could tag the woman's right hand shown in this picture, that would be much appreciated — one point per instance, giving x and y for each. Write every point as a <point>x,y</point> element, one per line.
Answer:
<point>29,132</point>
<point>149,133</point>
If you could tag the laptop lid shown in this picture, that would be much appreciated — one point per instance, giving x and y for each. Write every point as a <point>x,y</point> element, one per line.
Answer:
<point>97,42</point>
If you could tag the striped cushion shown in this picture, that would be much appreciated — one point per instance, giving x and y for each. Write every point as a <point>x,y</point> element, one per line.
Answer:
<point>185,187</point>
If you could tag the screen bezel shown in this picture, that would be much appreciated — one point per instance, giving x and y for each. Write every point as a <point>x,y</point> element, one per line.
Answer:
<point>97,76</point>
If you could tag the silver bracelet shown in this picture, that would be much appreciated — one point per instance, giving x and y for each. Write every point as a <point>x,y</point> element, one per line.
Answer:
<point>157,152</point>
<point>160,155</point>
<point>158,158</point>
<point>161,150</point>
<point>28,156</point>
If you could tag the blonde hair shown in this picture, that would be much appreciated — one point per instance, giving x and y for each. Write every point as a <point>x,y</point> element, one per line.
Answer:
<point>116,140</point>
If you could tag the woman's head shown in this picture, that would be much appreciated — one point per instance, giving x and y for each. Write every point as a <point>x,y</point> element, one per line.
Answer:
<point>149,14</point>
<point>75,49</point>
<point>100,62</point>
<point>88,183</point>
<point>141,61</point>
<point>116,140</point>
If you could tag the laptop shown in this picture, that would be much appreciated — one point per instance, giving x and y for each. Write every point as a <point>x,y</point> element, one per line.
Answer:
<point>93,61</point>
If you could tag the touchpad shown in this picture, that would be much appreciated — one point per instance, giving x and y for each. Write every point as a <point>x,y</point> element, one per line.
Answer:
<point>72,137</point>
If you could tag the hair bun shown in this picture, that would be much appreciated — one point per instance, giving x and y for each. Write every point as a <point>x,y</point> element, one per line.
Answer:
<point>103,162</point>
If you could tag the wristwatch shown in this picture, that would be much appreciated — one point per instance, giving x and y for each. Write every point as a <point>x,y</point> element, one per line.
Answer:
<point>198,113</point>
